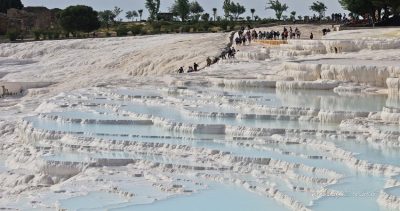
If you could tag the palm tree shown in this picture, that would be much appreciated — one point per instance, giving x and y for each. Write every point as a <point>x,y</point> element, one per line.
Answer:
<point>215,13</point>
<point>131,14</point>
<point>252,13</point>
<point>140,14</point>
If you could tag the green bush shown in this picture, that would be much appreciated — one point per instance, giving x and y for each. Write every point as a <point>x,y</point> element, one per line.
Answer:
<point>122,31</point>
<point>156,27</point>
<point>266,21</point>
<point>174,28</point>
<point>12,35</point>
<point>50,35</point>
<point>136,29</point>
<point>162,23</point>
<point>57,35</point>
<point>185,28</point>
<point>224,24</point>
<point>232,25</point>
<point>206,26</point>
<point>37,34</point>
<point>79,18</point>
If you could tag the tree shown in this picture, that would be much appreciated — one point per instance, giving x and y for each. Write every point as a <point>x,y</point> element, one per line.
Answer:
<point>79,18</point>
<point>131,14</point>
<point>107,18</point>
<point>196,10</point>
<point>205,17</point>
<point>140,14</point>
<point>372,7</point>
<point>181,8</point>
<point>358,7</point>
<point>395,5</point>
<point>215,13</point>
<point>293,15</point>
<point>227,8</point>
<point>300,17</point>
<point>153,6</point>
<point>8,4</point>
<point>236,9</point>
<point>117,11</point>
<point>128,15</point>
<point>278,7</point>
<point>252,13</point>
<point>381,5</point>
<point>319,7</point>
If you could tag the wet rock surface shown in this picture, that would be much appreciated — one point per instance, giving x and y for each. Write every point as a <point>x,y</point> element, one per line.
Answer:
<point>285,124</point>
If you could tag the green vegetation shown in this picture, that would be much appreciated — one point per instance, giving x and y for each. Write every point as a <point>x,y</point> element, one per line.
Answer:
<point>181,8</point>
<point>117,11</point>
<point>319,8</point>
<point>233,10</point>
<point>12,35</point>
<point>384,8</point>
<point>140,14</point>
<point>187,16</point>
<point>107,18</point>
<point>79,19</point>
<point>8,4</point>
<point>153,6</point>
<point>215,13</point>
<point>226,7</point>
<point>196,10</point>
<point>293,15</point>
<point>136,29</point>
<point>37,34</point>
<point>236,10</point>
<point>278,7</point>
<point>252,13</point>
<point>122,30</point>
<point>192,11</point>
<point>131,14</point>
<point>205,17</point>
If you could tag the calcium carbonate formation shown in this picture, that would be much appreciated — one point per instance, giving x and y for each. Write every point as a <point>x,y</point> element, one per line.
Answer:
<point>110,124</point>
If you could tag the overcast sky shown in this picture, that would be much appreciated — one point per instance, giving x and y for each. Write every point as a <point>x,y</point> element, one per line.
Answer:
<point>300,6</point>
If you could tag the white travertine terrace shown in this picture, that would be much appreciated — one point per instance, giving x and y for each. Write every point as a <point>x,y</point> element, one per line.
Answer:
<point>302,125</point>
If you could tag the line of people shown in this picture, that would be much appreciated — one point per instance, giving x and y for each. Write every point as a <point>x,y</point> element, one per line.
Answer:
<point>245,37</point>
<point>5,92</point>
<point>286,34</point>
<point>229,53</point>
<point>194,68</point>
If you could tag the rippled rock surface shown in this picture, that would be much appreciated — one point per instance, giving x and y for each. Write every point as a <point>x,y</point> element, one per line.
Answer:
<point>289,127</point>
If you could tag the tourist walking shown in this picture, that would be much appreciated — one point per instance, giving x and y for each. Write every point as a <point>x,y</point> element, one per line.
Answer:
<point>208,62</point>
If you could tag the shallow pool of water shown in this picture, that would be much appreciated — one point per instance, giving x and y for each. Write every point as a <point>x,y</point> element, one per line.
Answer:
<point>217,198</point>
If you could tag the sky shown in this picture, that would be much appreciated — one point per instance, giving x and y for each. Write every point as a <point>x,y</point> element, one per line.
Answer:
<point>300,6</point>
